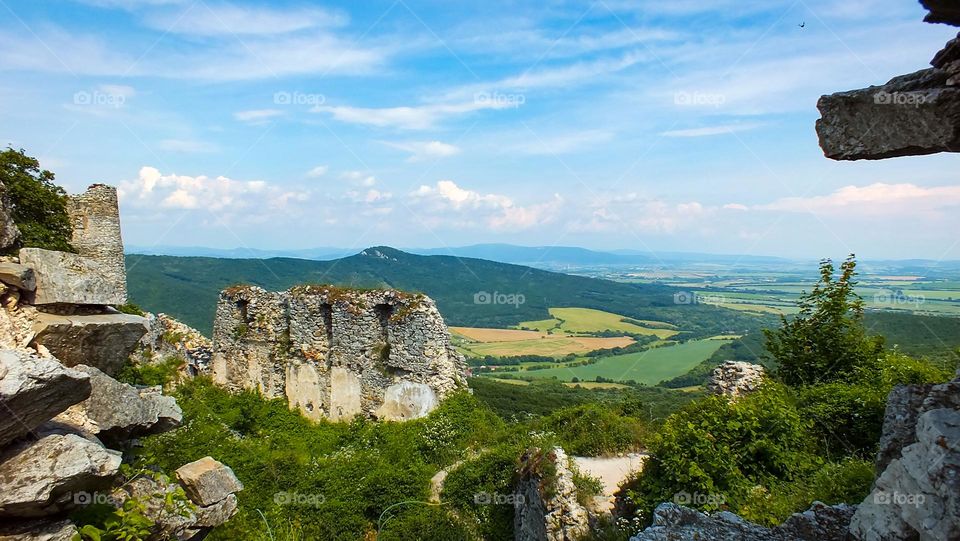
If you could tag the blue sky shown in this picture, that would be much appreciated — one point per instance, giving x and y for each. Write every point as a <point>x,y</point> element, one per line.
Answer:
<point>678,125</point>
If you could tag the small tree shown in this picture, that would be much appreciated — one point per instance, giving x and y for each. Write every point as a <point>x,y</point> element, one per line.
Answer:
<point>39,205</point>
<point>826,341</point>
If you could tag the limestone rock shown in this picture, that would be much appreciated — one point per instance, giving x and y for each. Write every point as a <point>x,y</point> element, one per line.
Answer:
<point>9,232</point>
<point>207,481</point>
<point>38,478</point>
<point>104,341</point>
<point>167,337</point>
<point>556,516</point>
<point>116,411</point>
<point>905,404</point>
<point>19,276</point>
<point>65,278</point>
<point>33,390</point>
<point>918,495</point>
<point>335,353</point>
<point>735,379</point>
<point>910,115</point>
<point>37,530</point>
<point>95,216</point>
<point>672,522</point>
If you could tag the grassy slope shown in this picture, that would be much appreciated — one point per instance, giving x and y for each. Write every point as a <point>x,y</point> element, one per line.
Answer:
<point>188,288</point>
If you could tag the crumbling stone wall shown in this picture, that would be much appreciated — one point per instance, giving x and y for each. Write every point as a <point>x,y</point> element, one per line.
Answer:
<point>95,215</point>
<point>335,353</point>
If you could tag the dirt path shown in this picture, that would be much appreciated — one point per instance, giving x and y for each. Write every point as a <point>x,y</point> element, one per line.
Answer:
<point>611,471</point>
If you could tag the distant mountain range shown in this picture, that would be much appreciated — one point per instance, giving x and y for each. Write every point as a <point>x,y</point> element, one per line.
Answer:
<point>467,290</point>
<point>535,256</point>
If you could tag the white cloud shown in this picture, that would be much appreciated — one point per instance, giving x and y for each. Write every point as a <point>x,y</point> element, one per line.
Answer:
<point>565,143</point>
<point>359,178</point>
<point>318,171</point>
<point>447,203</point>
<point>152,190</point>
<point>186,145</point>
<point>257,116</point>
<point>422,150</point>
<point>710,130</point>
<point>413,118</point>
<point>875,199</point>
<point>640,215</point>
<point>207,19</point>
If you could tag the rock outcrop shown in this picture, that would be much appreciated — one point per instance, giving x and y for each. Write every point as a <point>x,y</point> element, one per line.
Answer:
<point>336,353</point>
<point>33,390</point>
<point>910,115</point>
<point>734,379</point>
<point>58,421</point>
<point>168,337</point>
<point>207,481</point>
<point>546,506</point>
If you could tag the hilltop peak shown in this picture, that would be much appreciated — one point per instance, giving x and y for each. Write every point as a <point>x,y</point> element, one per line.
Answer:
<point>384,252</point>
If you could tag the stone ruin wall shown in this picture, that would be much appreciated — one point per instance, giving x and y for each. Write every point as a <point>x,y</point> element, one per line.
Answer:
<point>336,353</point>
<point>95,216</point>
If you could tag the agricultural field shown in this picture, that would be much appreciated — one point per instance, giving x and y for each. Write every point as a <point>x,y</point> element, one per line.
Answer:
<point>587,320</point>
<point>475,341</point>
<point>650,366</point>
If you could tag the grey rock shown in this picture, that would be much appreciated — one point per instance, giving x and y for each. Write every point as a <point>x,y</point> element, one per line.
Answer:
<point>19,276</point>
<point>95,216</point>
<point>168,337</point>
<point>104,341</point>
<point>9,232</point>
<point>39,478</point>
<point>37,530</point>
<point>821,522</point>
<point>942,11</point>
<point>65,278</point>
<point>207,481</point>
<point>910,115</point>
<point>905,404</point>
<point>918,495</point>
<point>34,390</point>
<point>735,379</point>
<point>116,412</point>
<point>539,516</point>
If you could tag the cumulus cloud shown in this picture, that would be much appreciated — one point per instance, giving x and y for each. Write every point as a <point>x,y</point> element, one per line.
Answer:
<point>641,215</point>
<point>450,202</point>
<point>318,171</point>
<point>422,150</point>
<point>877,198</point>
<point>152,190</point>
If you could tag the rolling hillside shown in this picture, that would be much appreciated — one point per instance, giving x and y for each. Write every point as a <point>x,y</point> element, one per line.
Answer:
<point>188,288</point>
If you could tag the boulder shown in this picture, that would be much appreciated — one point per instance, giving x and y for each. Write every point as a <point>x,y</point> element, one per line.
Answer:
<point>40,478</point>
<point>19,276</point>
<point>116,412</point>
<point>672,522</point>
<point>905,404</point>
<point>910,115</point>
<point>735,379</point>
<point>37,530</point>
<point>942,11</point>
<point>34,390</point>
<point>65,278</point>
<point>104,341</point>
<point>918,495</point>
<point>207,481</point>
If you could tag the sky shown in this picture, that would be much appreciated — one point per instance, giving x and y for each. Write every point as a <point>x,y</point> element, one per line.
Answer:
<point>673,125</point>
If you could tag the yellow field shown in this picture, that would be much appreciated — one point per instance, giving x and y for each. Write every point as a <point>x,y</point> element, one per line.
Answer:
<point>762,308</point>
<point>481,334</point>
<point>583,320</point>
<point>552,346</point>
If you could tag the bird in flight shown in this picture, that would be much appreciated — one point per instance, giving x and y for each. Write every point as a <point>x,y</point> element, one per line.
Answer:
<point>801,25</point>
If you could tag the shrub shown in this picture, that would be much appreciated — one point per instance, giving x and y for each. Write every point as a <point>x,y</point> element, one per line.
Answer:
<point>720,450</point>
<point>471,486</point>
<point>39,205</point>
<point>424,522</point>
<point>143,372</point>
<point>130,308</point>
<point>592,429</point>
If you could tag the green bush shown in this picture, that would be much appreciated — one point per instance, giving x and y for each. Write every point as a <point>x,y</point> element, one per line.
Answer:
<point>846,419</point>
<point>39,205</point>
<point>592,429</point>
<point>144,372</point>
<point>424,522</point>
<point>470,488</point>
<point>719,451</point>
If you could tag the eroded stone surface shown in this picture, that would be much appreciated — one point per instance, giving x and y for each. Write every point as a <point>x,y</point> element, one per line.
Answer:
<point>207,481</point>
<point>65,278</point>
<point>33,390</point>
<point>735,379</point>
<point>38,478</point>
<point>553,516</point>
<point>95,216</point>
<point>19,276</point>
<point>37,530</point>
<point>104,341</point>
<point>167,337</point>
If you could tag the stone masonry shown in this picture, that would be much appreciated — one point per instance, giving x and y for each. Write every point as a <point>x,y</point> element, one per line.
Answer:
<point>335,353</point>
<point>96,232</point>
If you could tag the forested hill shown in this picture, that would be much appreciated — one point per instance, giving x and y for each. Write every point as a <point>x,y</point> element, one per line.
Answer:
<point>188,288</point>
